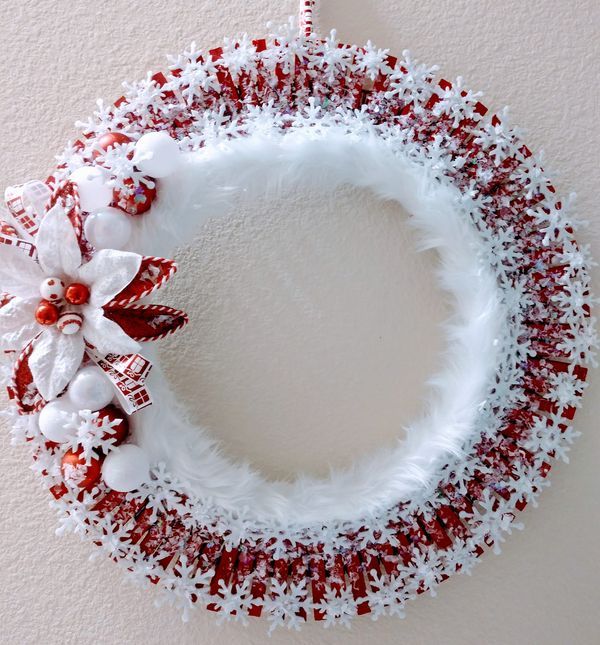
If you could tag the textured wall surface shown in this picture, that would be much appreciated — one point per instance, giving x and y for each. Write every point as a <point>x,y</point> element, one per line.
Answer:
<point>320,329</point>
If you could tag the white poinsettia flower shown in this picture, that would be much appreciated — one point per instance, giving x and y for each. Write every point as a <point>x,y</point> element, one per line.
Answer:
<point>56,356</point>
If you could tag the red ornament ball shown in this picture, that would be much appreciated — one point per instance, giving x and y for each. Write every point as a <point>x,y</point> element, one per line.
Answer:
<point>108,141</point>
<point>137,202</point>
<point>120,430</point>
<point>77,294</point>
<point>78,474</point>
<point>46,313</point>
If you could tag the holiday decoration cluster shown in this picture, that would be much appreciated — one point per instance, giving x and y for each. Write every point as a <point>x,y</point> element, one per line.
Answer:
<point>74,319</point>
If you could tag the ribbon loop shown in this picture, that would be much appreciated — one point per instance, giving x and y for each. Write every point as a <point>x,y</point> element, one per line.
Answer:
<point>128,374</point>
<point>26,203</point>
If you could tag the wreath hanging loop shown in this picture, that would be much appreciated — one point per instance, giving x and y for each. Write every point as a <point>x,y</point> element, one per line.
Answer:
<point>306,14</point>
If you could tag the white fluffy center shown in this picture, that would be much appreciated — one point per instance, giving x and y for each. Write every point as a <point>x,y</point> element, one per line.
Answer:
<point>214,181</point>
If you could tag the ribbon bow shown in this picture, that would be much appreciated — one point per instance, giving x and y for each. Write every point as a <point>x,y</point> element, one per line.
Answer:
<point>27,207</point>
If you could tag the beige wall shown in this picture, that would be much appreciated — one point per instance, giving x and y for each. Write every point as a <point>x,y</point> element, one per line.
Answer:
<point>332,357</point>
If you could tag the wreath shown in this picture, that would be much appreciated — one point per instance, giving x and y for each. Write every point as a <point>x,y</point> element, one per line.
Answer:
<point>83,251</point>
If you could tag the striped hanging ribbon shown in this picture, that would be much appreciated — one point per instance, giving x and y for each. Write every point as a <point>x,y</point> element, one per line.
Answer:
<point>307,10</point>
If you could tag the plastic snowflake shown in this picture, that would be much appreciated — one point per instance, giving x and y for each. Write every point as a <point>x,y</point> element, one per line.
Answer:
<point>120,163</point>
<point>554,441</point>
<point>411,79</point>
<point>114,540</point>
<point>284,603</point>
<point>238,56</point>
<point>385,595</point>
<point>457,103</point>
<point>196,78</point>
<point>233,601</point>
<point>460,558</point>
<point>336,59</point>
<point>425,567</point>
<point>566,390</point>
<point>106,118</point>
<point>185,585</point>
<point>527,484</point>
<point>498,138</point>
<point>92,434</point>
<point>144,98</point>
<point>164,494</point>
<point>372,61</point>
<point>495,519</point>
<point>337,606</point>
<point>579,346</point>
<point>74,515</point>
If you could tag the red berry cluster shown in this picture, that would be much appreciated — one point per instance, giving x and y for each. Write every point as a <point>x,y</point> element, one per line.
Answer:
<point>48,311</point>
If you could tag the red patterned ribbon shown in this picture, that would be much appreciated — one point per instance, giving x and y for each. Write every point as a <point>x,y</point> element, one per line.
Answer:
<point>128,374</point>
<point>26,203</point>
<point>27,247</point>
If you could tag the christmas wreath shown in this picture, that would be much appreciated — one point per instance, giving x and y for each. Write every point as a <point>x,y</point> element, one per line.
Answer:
<point>81,253</point>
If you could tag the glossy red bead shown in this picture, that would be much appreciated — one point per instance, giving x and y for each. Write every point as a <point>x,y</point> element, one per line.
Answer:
<point>46,313</point>
<point>77,294</point>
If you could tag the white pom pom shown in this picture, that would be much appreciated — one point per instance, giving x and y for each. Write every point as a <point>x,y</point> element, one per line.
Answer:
<point>53,420</point>
<point>157,154</point>
<point>90,389</point>
<point>126,468</point>
<point>94,192</point>
<point>108,228</point>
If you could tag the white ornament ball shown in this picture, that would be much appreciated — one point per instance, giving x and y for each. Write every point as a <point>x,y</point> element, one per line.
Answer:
<point>90,389</point>
<point>108,228</point>
<point>156,154</point>
<point>52,289</point>
<point>126,468</point>
<point>53,420</point>
<point>94,192</point>
<point>69,323</point>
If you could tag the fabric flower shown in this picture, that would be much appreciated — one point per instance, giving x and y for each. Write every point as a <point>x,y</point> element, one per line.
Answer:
<point>56,356</point>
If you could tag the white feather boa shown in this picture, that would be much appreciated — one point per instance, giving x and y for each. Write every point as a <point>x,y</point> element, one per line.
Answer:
<point>214,181</point>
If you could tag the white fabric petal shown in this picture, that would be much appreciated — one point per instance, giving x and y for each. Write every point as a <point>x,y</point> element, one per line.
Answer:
<point>105,335</point>
<point>58,250</point>
<point>108,273</point>
<point>54,361</point>
<point>20,275</point>
<point>17,323</point>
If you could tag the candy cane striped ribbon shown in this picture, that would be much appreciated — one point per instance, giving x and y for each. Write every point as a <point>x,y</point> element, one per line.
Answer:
<point>307,8</point>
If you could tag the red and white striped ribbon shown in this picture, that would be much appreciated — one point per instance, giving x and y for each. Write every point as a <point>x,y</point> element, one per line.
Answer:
<point>67,194</point>
<point>307,9</point>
